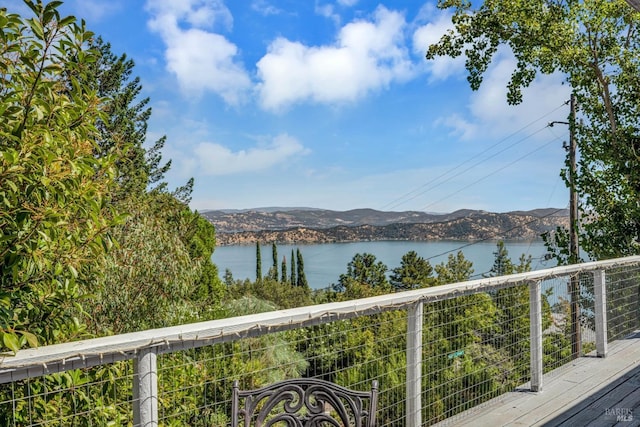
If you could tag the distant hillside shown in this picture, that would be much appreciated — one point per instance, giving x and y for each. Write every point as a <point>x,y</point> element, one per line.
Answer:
<point>304,225</point>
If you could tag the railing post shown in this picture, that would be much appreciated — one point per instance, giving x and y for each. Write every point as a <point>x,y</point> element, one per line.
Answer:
<point>414,364</point>
<point>600,291</point>
<point>145,388</point>
<point>535,328</point>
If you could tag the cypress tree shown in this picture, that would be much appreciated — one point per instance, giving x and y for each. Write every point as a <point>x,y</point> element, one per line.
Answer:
<point>293,269</point>
<point>274,267</point>
<point>283,273</point>
<point>258,264</point>
<point>302,279</point>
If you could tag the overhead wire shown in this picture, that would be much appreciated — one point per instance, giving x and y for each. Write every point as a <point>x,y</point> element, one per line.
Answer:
<point>485,177</point>
<point>494,171</point>
<point>434,182</point>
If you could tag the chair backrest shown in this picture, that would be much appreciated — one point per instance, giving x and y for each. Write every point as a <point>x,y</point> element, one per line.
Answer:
<point>304,402</point>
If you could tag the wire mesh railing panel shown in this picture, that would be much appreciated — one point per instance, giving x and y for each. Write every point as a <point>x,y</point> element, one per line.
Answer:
<point>353,353</point>
<point>477,342</point>
<point>89,397</point>
<point>587,316</point>
<point>475,348</point>
<point>195,385</point>
<point>556,322</point>
<point>623,303</point>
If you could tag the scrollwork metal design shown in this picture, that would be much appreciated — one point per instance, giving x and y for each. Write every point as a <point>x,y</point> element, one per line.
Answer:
<point>304,402</point>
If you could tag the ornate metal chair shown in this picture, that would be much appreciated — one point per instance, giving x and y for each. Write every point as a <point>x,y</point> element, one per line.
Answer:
<point>304,402</point>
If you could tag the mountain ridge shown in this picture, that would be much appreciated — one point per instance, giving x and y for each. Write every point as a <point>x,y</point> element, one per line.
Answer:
<point>310,225</point>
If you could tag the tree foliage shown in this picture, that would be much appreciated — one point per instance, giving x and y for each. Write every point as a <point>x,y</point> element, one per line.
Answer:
<point>273,271</point>
<point>160,271</point>
<point>365,276</point>
<point>258,263</point>
<point>595,44</point>
<point>301,278</point>
<point>414,272</point>
<point>54,216</point>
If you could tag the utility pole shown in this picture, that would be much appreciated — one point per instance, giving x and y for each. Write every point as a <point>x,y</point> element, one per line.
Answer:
<point>574,248</point>
<point>574,254</point>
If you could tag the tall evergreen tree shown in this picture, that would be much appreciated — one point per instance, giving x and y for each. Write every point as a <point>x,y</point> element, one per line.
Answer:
<point>228,277</point>
<point>283,277</point>
<point>414,272</point>
<point>294,282</point>
<point>258,264</point>
<point>273,271</point>
<point>302,279</point>
<point>123,130</point>
<point>364,269</point>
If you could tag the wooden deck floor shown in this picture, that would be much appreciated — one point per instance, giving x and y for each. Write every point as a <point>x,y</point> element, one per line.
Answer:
<point>590,391</point>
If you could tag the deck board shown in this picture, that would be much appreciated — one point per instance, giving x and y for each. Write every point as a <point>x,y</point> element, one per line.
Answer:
<point>589,391</point>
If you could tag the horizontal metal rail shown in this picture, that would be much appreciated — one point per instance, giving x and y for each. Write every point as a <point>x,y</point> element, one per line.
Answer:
<point>83,354</point>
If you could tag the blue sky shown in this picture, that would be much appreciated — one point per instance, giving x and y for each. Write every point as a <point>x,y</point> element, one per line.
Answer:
<point>332,104</point>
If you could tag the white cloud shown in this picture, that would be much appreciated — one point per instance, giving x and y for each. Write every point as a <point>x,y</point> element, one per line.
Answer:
<point>328,11</point>
<point>197,13</point>
<point>438,24</point>
<point>489,114</point>
<point>200,59</point>
<point>367,56</point>
<point>462,128</point>
<point>489,104</point>
<point>265,8</point>
<point>215,159</point>
<point>347,3</point>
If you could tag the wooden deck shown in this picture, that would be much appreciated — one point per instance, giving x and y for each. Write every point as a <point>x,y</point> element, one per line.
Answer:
<point>590,391</point>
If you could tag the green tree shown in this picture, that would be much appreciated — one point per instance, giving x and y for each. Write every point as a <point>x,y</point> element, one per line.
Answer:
<point>414,272</point>
<point>139,174</point>
<point>123,129</point>
<point>228,277</point>
<point>54,218</point>
<point>146,280</point>
<point>596,45</point>
<point>513,309</point>
<point>294,281</point>
<point>273,271</point>
<point>283,270</point>
<point>198,235</point>
<point>258,263</point>
<point>365,276</point>
<point>456,269</point>
<point>302,278</point>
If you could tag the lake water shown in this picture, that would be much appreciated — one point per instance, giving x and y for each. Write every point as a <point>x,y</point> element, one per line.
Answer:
<point>324,263</point>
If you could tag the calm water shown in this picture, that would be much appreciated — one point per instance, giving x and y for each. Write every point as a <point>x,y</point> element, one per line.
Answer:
<point>324,263</point>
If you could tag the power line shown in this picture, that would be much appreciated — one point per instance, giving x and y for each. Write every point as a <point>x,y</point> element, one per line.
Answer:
<point>492,173</point>
<point>401,200</point>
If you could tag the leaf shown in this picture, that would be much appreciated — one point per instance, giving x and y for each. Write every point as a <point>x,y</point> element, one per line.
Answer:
<point>73,271</point>
<point>66,21</point>
<point>11,341</point>
<point>32,340</point>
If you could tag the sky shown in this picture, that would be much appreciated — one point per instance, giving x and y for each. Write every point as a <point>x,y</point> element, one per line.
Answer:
<point>331,104</point>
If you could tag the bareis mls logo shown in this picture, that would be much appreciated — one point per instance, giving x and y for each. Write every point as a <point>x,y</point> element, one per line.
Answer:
<point>621,414</point>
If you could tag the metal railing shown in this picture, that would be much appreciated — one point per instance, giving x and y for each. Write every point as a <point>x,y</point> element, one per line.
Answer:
<point>435,352</point>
